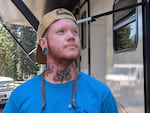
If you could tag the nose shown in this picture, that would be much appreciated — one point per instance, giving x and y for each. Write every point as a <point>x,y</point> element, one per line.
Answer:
<point>70,35</point>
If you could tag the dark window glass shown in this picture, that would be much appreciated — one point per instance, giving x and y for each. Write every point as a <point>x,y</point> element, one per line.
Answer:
<point>125,37</point>
<point>125,27</point>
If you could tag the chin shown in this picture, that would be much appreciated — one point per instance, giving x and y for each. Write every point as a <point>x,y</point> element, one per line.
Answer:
<point>72,57</point>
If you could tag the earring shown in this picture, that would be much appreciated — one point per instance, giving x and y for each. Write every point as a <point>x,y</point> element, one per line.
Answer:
<point>45,51</point>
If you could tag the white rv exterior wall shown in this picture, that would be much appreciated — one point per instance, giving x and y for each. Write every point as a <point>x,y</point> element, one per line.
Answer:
<point>101,29</point>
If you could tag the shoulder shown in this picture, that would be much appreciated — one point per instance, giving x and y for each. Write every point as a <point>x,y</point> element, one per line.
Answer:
<point>94,85</point>
<point>23,94</point>
<point>30,83</point>
<point>27,86</point>
<point>100,90</point>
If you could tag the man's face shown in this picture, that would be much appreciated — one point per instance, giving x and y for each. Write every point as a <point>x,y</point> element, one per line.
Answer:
<point>63,40</point>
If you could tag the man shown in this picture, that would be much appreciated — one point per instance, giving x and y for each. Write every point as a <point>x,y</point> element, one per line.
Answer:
<point>60,88</point>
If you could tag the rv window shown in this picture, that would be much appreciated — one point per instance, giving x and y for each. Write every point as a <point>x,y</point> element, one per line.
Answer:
<point>125,37</point>
<point>125,27</point>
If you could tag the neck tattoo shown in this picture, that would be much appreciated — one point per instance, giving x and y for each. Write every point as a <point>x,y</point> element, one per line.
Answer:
<point>47,71</point>
<point>62,75</point>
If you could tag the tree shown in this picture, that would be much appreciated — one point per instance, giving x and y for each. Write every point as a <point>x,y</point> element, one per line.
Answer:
<point>27,38</point>
<point>6,44</point>
<point>123,38</point>
<point>15,62</point>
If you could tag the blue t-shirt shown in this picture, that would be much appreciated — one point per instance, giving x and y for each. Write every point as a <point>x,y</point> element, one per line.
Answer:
<point>92,96</point>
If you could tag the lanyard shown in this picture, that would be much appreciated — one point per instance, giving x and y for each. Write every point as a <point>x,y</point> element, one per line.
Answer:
<point>73,104</point>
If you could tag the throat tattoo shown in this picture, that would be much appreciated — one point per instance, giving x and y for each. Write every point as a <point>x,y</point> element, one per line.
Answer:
<point>62,75</point>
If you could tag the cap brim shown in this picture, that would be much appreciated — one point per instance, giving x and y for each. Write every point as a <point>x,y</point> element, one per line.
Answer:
<point>40,57</point>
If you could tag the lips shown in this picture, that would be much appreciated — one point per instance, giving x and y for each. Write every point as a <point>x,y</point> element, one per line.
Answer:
<point>72,45</point>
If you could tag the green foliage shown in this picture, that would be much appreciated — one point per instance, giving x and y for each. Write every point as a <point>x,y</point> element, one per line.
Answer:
<point>5,53</point>
<point>123,38</point>
<point>13,61</point>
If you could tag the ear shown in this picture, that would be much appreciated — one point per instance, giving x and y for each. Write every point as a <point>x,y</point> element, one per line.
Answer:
<point>43,42</point>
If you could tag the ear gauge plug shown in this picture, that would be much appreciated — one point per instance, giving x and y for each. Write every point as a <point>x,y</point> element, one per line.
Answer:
<point>45,51</point>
